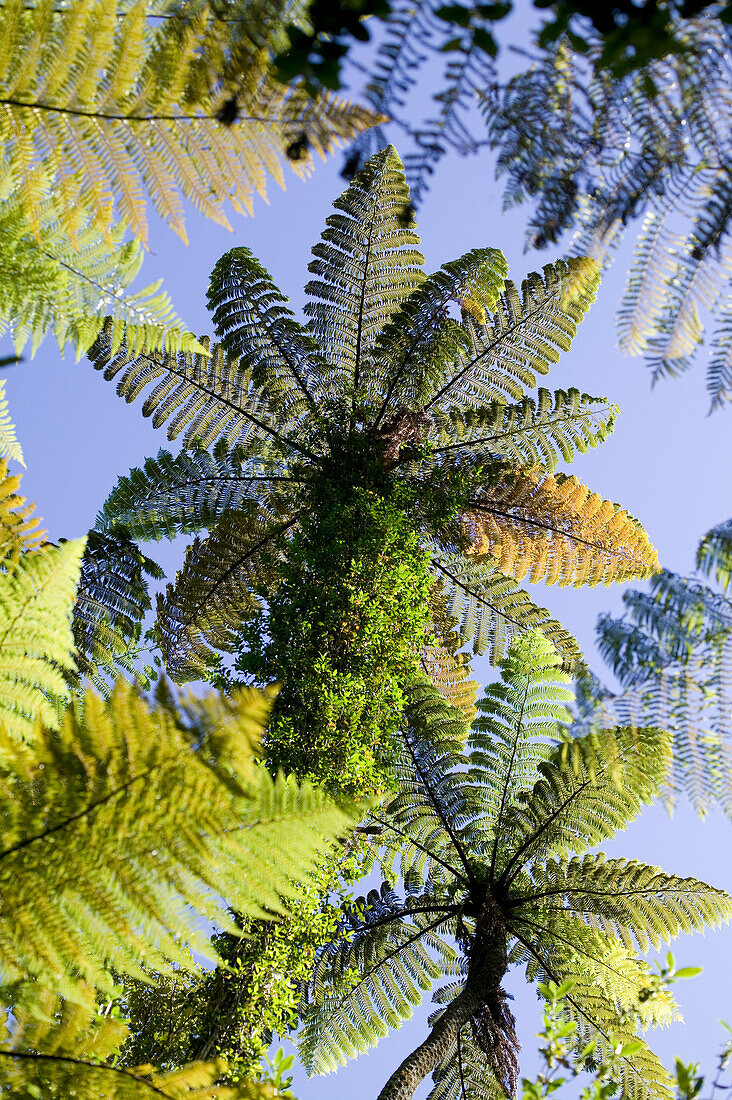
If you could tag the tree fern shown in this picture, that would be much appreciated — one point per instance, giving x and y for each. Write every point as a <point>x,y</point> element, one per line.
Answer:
<point>382,417</point>
<point>19,530</point>
<point>490,845</point>
<point>173,810</point>
<point>36,643</point>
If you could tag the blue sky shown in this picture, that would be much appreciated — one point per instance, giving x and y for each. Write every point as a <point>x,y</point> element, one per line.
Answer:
<point>667,463</point>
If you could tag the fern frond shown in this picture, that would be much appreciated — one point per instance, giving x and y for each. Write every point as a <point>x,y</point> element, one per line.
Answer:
<point>19,531</point>
<point>365,265</point>
<point>9,445</point>
<point>447,668</point>
<point>553,528</point>
<point>589,788</point>
<point>58,1048</point>
<point>111,602</point>
<point>489,609</point>
<point>175,494</point>
<point>124,829</point>
<point>529,433</point>
<point>640,904</point>
<point>714,554</point>
<point>370,979</point>
<point>218,587</point>
<point>523,337</point>
<point>464,1072</point>
<point>36,642</point>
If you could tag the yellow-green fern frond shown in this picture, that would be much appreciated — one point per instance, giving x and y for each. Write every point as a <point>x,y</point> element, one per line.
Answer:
<point>447,667</point>
<point>19,530</point>
<point>57,1049</point>
<point>9,445</point>
<point>127,829</point>
<point>554,529</point>
<point>36,644</point>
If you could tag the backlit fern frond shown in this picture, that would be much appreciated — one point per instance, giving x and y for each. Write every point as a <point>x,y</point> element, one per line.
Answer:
<point>36,642</point>
<point>101,112</point>
<point>531,432</point>
<point>464,1072</point>
<point>58,1049</point>
<point>67,287</point>
<point>124,830</point>
<point>172,494</point>
<point>621,896</point>
<point>522,338</point>
<point>19,529</point>
<point>9,445</point>
<point>370,979</point>
<point>489,609</point>
<point>218,587</point>
<point>556,530</point>
<point>366,264</point>
<point>447,668</point>
<point>111,602</point>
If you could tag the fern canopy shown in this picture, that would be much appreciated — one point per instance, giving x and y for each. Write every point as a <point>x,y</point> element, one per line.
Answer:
<point>385,417</point>
<point>489,844</point>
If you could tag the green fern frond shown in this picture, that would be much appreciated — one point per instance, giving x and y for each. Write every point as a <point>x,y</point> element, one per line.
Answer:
<point>365,265</point>
<point>589,788</point>
<point>714,554</point>
<point>446,667</point>
<point>622,896</point>
<point>172,816</point>
<point>219,587</point>
<point>489,609</point>
<point>58,1049</point>
<point>523,337</point>
<point>9,445</point>
<point>36,643</point>
<point>555,425</point>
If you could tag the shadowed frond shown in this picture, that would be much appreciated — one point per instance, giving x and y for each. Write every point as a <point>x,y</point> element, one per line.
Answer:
<point>111,602</point>
<point>714,554</point>
<point>218,587</point>
<point>523,337</point>
<point>489,609</point>
<point>19,529</point>
<point>366,265</point>
<point>9,445</point>
<point>172,494</point>
<point>36,642</point>
<point>172,814</point>
<point>555,425</point>
<point>553,528</point>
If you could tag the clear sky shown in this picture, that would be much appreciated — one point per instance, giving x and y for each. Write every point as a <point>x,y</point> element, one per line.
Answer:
<point>667,463</point>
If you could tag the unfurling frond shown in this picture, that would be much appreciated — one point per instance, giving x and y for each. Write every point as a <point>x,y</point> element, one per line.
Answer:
<point>556,530</point>
<point>218,587</point>
<point>9,445</point>
<point>126,827</point>
<point>522,338</point>
<point>36,642</point>
<point>57,1049</point>
<point>111,602</point>
<point>19,529</point>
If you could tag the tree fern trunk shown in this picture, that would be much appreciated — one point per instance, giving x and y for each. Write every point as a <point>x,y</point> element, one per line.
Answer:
<point>416,1066</point>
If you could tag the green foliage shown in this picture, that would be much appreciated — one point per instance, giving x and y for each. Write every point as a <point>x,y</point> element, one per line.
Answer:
<point>36,643</point>
<point>489,847</point>
<point>9,446</point>
<point>671,652</point>
<point>172,811</point>
<point>344,468</point>
<point>105,109</point>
